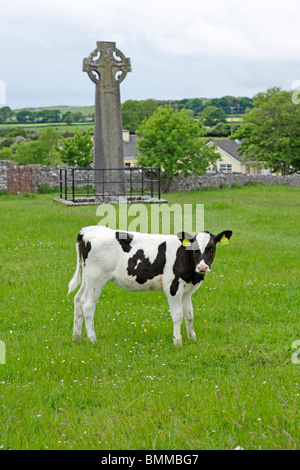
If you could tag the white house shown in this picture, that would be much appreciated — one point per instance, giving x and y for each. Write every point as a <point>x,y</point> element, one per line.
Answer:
<point>129,148</point>
<point>232,162</point>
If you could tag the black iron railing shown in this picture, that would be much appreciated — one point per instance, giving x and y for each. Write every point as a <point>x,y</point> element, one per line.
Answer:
<point>101,184</point>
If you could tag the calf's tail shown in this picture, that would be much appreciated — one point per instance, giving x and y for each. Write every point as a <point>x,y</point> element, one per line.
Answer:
<point>75,281</point>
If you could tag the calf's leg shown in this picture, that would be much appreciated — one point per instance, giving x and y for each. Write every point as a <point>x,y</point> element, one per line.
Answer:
<point>175,305</point>
<point>89,299</point>
<point>78,313</point>
<point>189,316</point>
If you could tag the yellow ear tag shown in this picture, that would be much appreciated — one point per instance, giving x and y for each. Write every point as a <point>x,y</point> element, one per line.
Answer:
<point>224,240</point>
<point>186,242</point>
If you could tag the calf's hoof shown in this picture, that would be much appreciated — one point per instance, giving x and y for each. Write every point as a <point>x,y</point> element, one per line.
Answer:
<point>193,337</point>
<point>92,339</point>
<point>177,342</point>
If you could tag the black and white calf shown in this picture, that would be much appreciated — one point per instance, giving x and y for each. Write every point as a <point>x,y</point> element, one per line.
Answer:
<point>142,262</point>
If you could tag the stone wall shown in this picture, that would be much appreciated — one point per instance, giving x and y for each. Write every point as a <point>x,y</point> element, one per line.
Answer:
<point>43,175</point>
<point>211,180</point>
<point>4,164</point>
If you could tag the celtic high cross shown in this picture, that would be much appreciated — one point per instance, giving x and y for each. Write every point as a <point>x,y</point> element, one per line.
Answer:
<point>107,67</point>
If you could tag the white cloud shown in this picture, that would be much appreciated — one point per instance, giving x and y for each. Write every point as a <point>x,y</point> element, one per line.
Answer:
<point>265,29</point>
<point>191,48</point>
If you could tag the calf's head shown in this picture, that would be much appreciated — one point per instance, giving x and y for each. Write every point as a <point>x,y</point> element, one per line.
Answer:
<point>202,247</point>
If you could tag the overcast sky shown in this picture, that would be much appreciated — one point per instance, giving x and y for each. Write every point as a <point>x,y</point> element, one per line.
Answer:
<point>178,49</point>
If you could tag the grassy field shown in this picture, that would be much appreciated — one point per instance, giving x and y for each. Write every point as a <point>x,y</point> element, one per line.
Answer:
<point>60,126</point>
<point>238,385</point>
<point>63,109</point>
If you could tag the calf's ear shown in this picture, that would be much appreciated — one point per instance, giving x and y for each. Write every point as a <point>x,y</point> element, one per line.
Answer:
<point>185,238</point>
<point>223,237</point>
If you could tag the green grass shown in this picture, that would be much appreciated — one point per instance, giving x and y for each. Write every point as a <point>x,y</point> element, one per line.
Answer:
<point>132,389</point>
<point>82,109</point>
<point>60,126</point>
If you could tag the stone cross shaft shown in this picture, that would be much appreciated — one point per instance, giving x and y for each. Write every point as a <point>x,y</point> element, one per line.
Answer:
<point>107,67</point>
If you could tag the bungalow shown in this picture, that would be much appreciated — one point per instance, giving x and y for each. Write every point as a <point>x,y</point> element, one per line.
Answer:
<point>129,144</point>
<point>232,162</point>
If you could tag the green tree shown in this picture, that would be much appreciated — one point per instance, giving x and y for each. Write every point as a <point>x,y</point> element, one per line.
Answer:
<point>7,142</point>
<point>134,112</point>
<point>220,130</point>
<point>226,102</point>
<point>48,115</point>
<point>6,153</point>
<point>170,139</point>
<point>6,114</point>
<point>68,118</point>
<point>25,116</point>
<point>15,131</point>
<point>77,150</point>
<point>49,137</point>
<point>78,116</point>
<point>213,115</point>
<point>193,104</point>
<point>41,151</point>
<point>271,133</point>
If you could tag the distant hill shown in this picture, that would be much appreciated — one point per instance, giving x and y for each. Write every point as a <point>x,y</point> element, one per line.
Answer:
<point>196,105</point>
<point>63,109</point>
<point>134,112</point>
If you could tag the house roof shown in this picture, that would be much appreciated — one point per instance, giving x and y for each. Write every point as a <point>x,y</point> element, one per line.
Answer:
<point>129,147</point>
<point>230,147</point>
